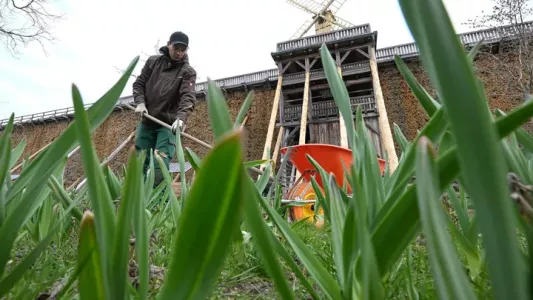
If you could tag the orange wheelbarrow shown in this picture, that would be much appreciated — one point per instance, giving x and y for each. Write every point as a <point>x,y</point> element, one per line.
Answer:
<point>330,157</point>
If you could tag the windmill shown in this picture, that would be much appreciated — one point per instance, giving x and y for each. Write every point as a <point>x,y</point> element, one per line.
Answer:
<point>323,18</point>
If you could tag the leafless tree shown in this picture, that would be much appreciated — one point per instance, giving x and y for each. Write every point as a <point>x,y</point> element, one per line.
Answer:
<point>25,21</point>
<point>516,60</point>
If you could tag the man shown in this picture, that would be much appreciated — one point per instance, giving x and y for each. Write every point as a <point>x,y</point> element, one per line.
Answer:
<point>164,90</point>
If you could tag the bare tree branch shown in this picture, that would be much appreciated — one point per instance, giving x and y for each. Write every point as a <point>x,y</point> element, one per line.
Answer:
<point>516,54</point>
<point>25,21</point>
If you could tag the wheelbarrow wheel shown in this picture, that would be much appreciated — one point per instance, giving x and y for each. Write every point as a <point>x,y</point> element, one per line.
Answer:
<point>305,191</point>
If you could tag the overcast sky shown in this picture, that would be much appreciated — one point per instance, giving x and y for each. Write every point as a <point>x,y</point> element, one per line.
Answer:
<point>227,38</point>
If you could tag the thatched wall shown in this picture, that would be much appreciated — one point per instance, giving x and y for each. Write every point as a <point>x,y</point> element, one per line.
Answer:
<point>120,124</point>
<point>498,74</point>
<point>403,109</point>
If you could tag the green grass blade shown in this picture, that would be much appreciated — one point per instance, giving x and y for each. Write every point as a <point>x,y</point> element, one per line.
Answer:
<point>131,199</point>
<point>46,161</point>
<point>100,198</point>
<point>244,109</point>
<point>5,156</point>
<point>338,216</point>
<point>61,195</point>
<point>429,104</point>
<point>218,111</point>
<point>17,153</point>
<point>434,130</point>
<point>181,161</point>
<point>20,269</point>
<point>263,241</point>
<point>401,139</point>
<point>200,247</point>
<point>477,142</point>
<point>315,268</point>
<point>142,235</point>
<point>91,278</point>
<point>339,91</point>
<point>513,120</point>
<point>193,159</point>
<point>449,275</point>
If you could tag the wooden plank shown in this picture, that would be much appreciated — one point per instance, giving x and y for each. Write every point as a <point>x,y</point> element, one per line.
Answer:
<point>362,52</point>
<point>286,67</point>
<point>346,55</point>
<point>303,122</point>
<point>272,123</point>
<point>384,127</point>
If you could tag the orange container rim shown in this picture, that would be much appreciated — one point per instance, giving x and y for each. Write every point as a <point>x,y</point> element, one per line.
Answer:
<point>332,158</point>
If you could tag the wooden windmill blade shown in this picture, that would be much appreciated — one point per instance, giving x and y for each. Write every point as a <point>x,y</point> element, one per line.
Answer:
<point>334,5</point>
<point>309,6</point>
<point>303,29</point>
<point>341,23</point>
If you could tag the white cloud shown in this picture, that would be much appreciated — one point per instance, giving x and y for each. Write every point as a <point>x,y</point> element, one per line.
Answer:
<point>226,38</point>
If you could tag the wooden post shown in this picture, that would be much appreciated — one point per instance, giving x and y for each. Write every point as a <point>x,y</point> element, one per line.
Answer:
<point>272,124</point>
<point>384,127</point>
<point>303,119</point>
<point>276,148</point>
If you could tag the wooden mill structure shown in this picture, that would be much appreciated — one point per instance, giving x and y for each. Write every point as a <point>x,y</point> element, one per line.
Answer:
<point>304,108</point>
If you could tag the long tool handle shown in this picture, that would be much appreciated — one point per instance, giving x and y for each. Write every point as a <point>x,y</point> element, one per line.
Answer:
<point>192,138</point>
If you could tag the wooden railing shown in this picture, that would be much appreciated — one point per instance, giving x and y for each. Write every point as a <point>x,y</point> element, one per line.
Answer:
<point>328,109</point>
<point>324,37</point>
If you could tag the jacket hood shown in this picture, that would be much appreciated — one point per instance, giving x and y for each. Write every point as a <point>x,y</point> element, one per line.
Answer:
<point>164,50</point>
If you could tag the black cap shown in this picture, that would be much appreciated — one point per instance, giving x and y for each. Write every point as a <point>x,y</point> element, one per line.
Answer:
<point>179,37</point>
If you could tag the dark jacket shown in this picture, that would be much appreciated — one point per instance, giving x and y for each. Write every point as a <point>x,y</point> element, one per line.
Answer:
<point>166,87</point>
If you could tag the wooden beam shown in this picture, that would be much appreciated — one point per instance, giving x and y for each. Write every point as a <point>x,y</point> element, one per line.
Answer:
<point>345,55</point>
<point>303,123</point>
<point>276,148</point>
<point>272,123</point>
<point>286,67</point>
<point>281,104</point>
<point>384,126</point>
<point>362,52</point>
<point>313,62</point>
<point>301,65</point>
<point>325,120</point>
<point>326,86</point>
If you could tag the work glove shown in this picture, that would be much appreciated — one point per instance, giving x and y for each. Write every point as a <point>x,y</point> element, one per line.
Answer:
<point>176,124</point>
<point>141,108</point>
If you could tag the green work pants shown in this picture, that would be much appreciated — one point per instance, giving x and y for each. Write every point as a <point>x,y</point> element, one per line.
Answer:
<point>157,138</point>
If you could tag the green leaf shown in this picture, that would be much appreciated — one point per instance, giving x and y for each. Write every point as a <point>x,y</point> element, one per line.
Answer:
<point>480,156</point>
<point>17,153</point>
<point>193,159</point>
<point>263,240</point>
<point>339,91</point>
<point>142,234</point>
<point>244,109</point>
<point>218,111</point>
<point>100,198</point>
<point>20,269</point>
<point>91,279</point>
<point>449,275</point>
<point>308,259</point>
<point>428,103</point>
<point>130,201</point>
<point>196,262</point>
